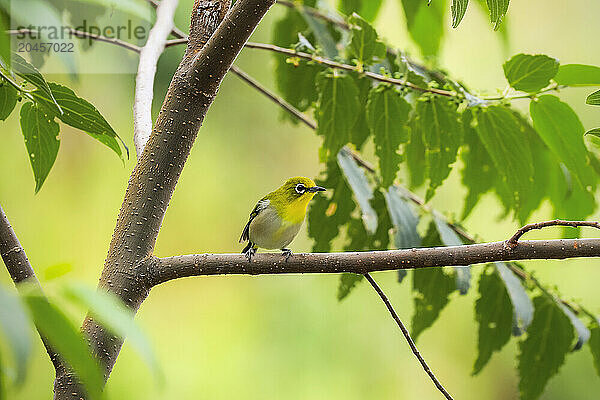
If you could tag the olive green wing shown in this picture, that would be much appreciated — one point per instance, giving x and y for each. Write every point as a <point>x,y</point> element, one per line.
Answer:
<point>261,205</point>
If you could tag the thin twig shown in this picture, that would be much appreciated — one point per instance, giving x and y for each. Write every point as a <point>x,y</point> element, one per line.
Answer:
<point>84,35</point>
<point>276,99</point>
<point>513,241</point>
<point>407,336</point>
<point>334,64</point>
<point>144,81</point>
<point>315,13</point>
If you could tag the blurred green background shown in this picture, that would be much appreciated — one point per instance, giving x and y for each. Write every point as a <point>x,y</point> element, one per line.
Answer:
<point>284,336</point>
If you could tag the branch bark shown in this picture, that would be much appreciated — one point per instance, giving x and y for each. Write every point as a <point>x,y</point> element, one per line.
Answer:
<point>212,48</point>
<point>161,270</point>
<point>144,81</point>
<point>20,270</point>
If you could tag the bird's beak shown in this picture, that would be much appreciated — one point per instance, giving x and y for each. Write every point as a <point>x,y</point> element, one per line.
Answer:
<point>316,189</point>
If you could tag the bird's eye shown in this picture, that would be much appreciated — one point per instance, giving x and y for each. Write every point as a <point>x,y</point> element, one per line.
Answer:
<point>300,188</point>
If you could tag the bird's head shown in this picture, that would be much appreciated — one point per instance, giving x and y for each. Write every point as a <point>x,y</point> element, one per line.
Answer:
<point>297,190</point>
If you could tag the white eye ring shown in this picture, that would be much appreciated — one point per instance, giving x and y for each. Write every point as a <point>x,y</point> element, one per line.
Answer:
<point>300,188</point>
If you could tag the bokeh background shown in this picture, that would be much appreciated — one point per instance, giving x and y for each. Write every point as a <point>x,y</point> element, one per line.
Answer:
<point>284,337</point>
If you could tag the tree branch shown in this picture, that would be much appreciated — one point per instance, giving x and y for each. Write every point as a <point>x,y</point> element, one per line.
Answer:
<point>20,270</point>
<point>161,270</point>
<point>406,334</point>
<point>513,241</point>
<point>207,59</point>
<point>144,81</point>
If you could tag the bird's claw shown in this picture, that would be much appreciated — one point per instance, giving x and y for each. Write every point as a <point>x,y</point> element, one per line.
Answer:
<point>249,253</point>
<point>287,253</point>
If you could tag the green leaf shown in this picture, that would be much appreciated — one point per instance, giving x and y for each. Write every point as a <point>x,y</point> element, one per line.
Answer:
<point>425,23</point>
<point>440,128</point>
<point>415,156</point>
<point>112,313</point>
<point>594,344</point>
<point>361,188</point>
<point>360,130</point>
<point>404,219</point>
<point>328,214</point>
<point>530,73</point>
<point>522,306</point>
<point>508,148</point>
<point>5,58</point>
<point>380,240</point>
<point>348,282</point>
<point>549,339</point>
<point>583,333</point>
<point>8,100</point>
<point>57,271</point>
<point>450,238</point>
<point>336,112</point>
<point>459,8</point>
<point>387,116</point>
<point>560,128</point>
<point>322,34</point>
<point>593,99</point>
<point>66,339</point>
<point>479,173</point>
<point>432,287</point>
<point>578,75</point>
<point>368,9</point>
<point>16,330</point>
<point>498,9</point>
<point>295,80</point>
<point>82,115</point>
<point>594,132</point>
<point>41,140</point>
<point>364,46</point>
<point>493,312</point>
<point>33,76</point>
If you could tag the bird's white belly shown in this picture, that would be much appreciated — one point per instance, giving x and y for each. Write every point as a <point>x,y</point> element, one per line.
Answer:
<point>269,231</point>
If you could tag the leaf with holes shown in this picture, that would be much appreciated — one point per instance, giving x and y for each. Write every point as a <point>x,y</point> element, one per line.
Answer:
<point>437,120</point>
<point>493,312</point>
<point>336,112</point>
<point>549,339</point>
<point>82,115</point>
<point>41,140</point>
<point>530,73</point>
<point>364,46</point>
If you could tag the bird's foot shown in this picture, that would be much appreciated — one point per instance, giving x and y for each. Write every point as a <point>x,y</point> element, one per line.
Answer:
<point>287,253</point>
<point>249,253</point>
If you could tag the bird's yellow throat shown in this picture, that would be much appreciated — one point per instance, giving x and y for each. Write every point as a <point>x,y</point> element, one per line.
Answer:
<point>295,211</point>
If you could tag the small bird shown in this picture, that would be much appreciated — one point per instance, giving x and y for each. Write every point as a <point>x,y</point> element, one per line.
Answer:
<point>278,216</point>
